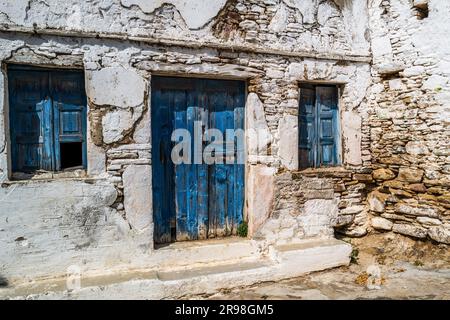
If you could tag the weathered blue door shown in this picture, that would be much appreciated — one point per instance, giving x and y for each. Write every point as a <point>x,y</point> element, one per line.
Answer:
<point>195,200</point>
<point>47,118</point>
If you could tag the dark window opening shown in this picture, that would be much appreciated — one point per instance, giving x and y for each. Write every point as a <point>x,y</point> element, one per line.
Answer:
<point>71,155</point>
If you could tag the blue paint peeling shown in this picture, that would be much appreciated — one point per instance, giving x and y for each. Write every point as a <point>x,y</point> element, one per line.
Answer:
<point>195,201</point>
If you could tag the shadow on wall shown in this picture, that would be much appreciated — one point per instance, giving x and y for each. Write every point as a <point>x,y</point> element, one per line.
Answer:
<point>3,282</point>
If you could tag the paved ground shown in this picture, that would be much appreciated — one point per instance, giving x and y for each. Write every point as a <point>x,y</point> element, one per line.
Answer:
<point>384,267</point>
<point>403,281</point>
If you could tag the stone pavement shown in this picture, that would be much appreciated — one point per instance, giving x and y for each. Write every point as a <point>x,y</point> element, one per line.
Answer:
<point>402,281</point>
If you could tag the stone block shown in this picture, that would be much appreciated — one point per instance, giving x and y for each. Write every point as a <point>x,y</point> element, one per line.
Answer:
<point>404,208</point>
<point>410,230</point>
<point>440,234</point>
<point>377,201</point>
<point>115,86</point>
<point>288,147</point>
<point>429,221</point>
<point>417,148</point>
<point>382,224</point>
<point>410,175</point>
<point>261,181</point>
<point>259,137</point>
<point>118,123</point>
<point>137,185</point>
<point>351,134</point>
<point>383,174</point>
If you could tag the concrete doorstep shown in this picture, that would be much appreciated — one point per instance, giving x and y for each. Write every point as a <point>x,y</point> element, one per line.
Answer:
<point>197,272</point>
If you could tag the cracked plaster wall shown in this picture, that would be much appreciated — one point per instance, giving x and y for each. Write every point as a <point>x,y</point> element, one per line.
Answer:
<point>119,150</point>
<point>308,204</point>
<point>295,25</point>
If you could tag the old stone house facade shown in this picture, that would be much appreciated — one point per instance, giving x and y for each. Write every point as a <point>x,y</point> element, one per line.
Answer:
<point>388,60</point>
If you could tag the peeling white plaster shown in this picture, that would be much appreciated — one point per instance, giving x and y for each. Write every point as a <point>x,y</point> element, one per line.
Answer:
<point>196,13</point>
<point>116,86</point>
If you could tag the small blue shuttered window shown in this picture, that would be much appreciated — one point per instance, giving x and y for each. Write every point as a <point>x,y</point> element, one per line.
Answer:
<point>47,117</point>
<point>318,126</point>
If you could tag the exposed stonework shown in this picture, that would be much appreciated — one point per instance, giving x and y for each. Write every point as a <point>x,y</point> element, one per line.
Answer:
<point>409,122</point>
<point>394,115</point>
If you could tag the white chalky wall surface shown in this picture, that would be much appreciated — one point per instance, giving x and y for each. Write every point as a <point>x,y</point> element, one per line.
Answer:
<point>106,219</point>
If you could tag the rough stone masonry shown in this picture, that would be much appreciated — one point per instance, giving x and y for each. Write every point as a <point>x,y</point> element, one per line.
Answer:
<point>390,59</point>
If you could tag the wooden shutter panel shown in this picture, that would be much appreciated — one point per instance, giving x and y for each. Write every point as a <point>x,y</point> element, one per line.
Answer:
<point>69,127</point>
<point>69,111</point>
<point>327,123</point>
<point>307,132</point>
<point>30,121</point>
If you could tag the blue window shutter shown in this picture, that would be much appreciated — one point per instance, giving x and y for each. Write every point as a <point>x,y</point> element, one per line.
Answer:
<point>30,121</point>
<point>47,107</point>
<point>69,127</point>
<point>307,128</point>
<point>327,125</point>
<point>69,112</point>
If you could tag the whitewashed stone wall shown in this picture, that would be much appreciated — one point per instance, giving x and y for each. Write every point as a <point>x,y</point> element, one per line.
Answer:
<point>274,45</point>
<point>409,118</point>
<point>289,25</point>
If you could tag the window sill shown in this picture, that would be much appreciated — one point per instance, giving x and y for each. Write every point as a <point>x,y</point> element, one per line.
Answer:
<point>325,172</point>
<point>20,177</point>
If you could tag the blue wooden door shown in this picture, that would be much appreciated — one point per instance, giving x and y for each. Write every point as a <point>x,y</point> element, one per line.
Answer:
<point>47,110</point>
<point>195,200</point>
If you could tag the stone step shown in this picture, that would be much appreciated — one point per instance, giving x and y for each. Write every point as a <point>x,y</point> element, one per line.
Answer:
<point>199,253</point>
<point>211,270</point>
<point>311,255</point>
<point>282,262</point>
